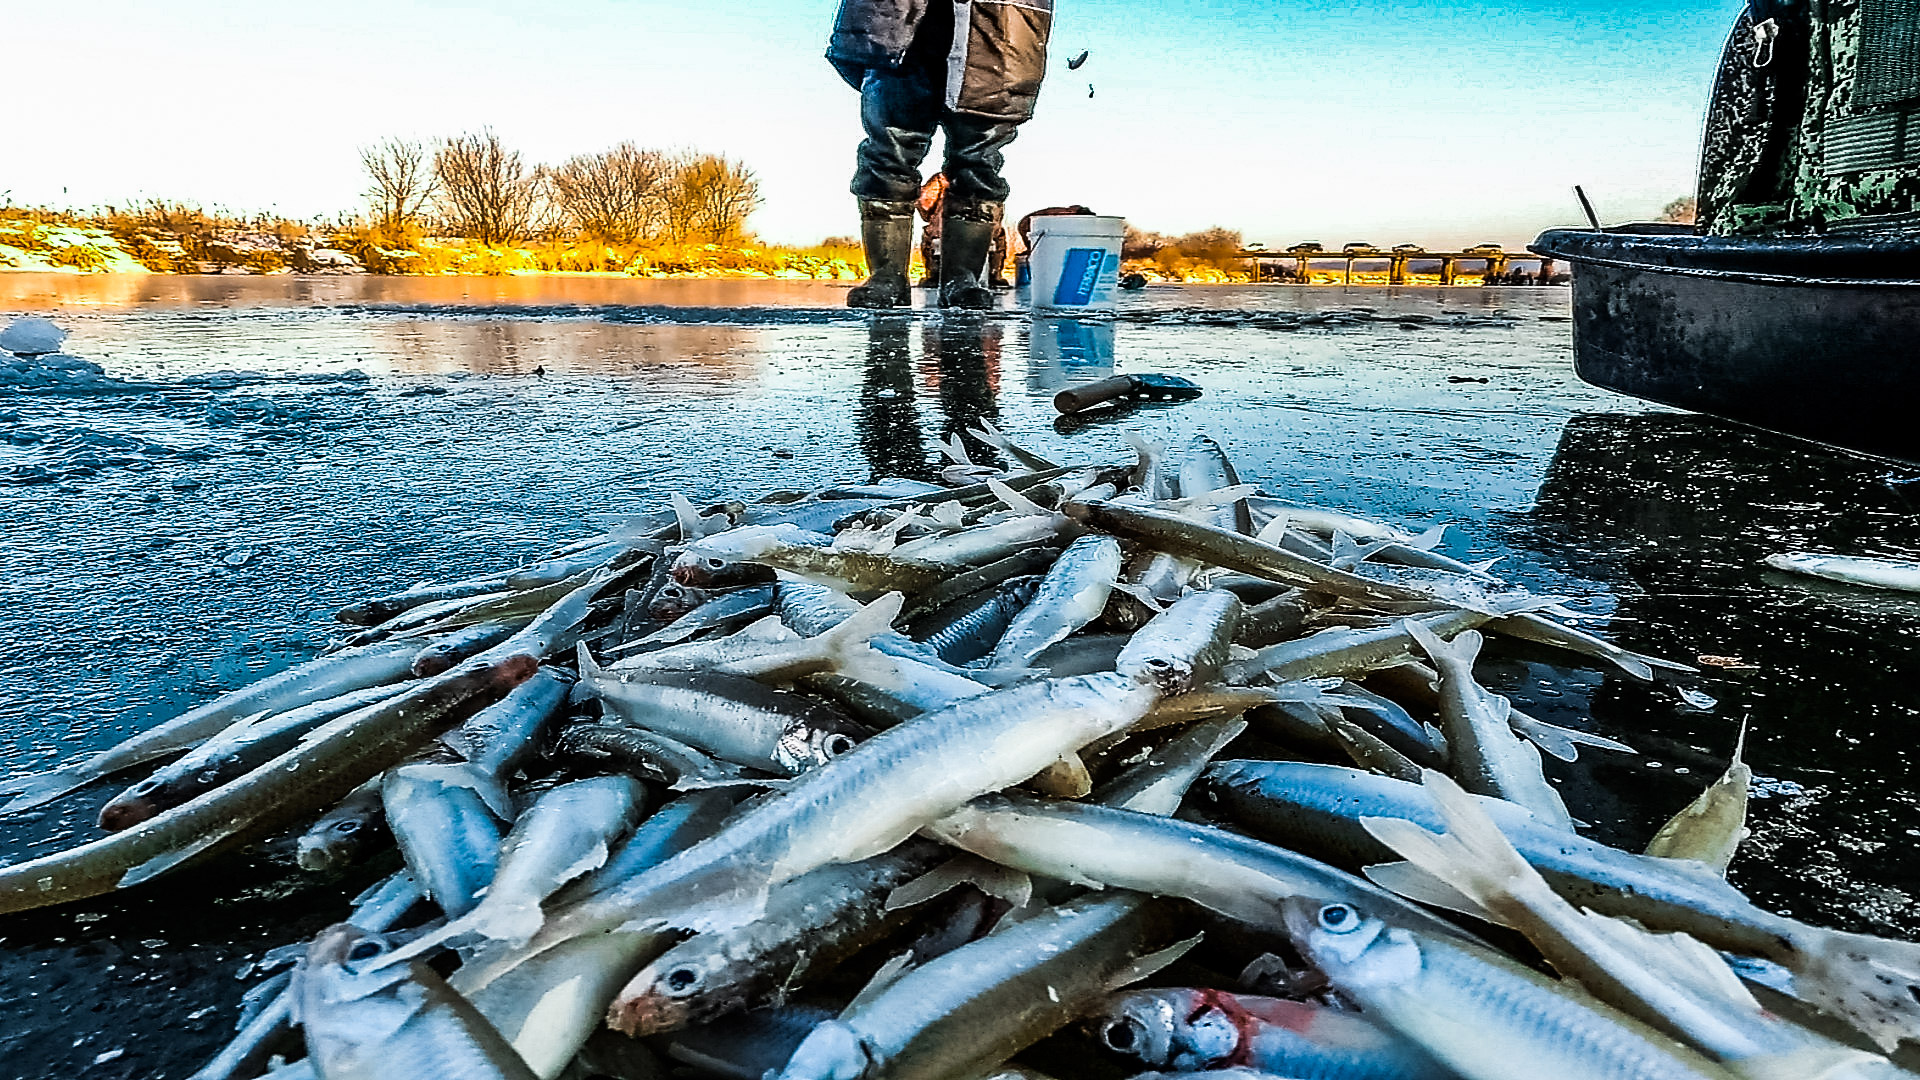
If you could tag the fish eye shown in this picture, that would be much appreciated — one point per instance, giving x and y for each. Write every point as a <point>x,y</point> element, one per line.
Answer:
<point>681,980</point>
<point>1159,664</point>
<point>837,745</point>
<point>1122,1035</point>
<point>366,950</point>
<point>715,564</point>
<point>144,787</point>
<point>1338,919</point>
<point>347,827</point>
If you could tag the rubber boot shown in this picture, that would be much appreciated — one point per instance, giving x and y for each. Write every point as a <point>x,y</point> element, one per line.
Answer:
<point>997,261</point>
<point>966,234</point>
<point>886,231</point>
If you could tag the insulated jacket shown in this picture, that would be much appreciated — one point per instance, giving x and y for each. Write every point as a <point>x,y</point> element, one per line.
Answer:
<point>998,58</point>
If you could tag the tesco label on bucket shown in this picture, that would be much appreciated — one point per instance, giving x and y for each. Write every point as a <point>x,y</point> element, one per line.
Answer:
<point>1080,277</point>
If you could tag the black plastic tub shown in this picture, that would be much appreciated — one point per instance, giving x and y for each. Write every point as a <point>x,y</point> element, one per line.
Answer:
<point>1814,337</point>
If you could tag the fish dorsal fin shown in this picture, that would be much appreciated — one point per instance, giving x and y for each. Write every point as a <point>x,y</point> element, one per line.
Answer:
<point>890,972</point>
<point>1552,740</point>
<point>1274,531</point>
<point>1015,501</point>
<point>589,668</point>
<point>1142,594</point>
<point>1151,963</point>
<point>999,882</point>
<point>687,516</point>
<point>1428,540</point>
<point>1561,742</point>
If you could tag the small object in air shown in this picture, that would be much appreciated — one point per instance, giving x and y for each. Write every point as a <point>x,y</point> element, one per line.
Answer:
<point>1089,89</point>
<point>1126,387</point>
<point>1074,64</point>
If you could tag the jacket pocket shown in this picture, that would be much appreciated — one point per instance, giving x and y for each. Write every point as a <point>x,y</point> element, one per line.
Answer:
<point>1000,59</point>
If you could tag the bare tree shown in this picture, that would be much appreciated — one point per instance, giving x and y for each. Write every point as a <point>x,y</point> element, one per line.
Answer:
<point>484,190</point>
<point>402,182</point>
<point>616,197</point>
<point>709,198</point>
<point>727,193</point>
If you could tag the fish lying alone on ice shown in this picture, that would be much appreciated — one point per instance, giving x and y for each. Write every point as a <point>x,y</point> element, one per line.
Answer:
<point>891,782</point>
<point>1902,575</point>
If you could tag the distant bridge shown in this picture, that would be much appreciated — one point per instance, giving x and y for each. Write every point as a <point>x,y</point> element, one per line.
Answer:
<point>1495,260</point>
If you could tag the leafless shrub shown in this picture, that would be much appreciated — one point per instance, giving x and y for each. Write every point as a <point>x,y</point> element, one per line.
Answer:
<point>709,199</point>
<point>401,184</point>
<point>483,190</point>
<point>1681,210</point>
<point>616,197</point>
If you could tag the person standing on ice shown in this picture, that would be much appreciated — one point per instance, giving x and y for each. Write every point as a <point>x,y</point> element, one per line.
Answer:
<point>970,69</point>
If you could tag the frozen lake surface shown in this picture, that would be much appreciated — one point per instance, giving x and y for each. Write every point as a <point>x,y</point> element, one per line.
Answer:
<point>341,438</point>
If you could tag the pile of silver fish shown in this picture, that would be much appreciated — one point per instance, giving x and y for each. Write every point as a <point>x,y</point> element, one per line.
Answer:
<point>899,780</point>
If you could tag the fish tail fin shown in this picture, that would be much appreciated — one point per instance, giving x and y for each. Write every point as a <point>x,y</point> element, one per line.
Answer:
<point>955,450</point>
<point>992,436</point>
<point>1349,553</point>
<point>1678,959</point>
<point>40,788</point>
<point>1472,858</point>
<point>849,639</point>
<point>1459,654</point>
<point>1015,501</point>
<point>1872,983</point>
<point>509,922</point>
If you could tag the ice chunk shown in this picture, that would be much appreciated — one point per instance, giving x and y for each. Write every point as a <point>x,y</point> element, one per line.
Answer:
<point>31,335</point>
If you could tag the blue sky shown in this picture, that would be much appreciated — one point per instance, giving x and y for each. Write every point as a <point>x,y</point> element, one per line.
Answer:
<point>1424,121</point>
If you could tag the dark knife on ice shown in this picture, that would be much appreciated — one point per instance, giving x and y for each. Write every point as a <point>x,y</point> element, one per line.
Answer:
<point>1126,387</point>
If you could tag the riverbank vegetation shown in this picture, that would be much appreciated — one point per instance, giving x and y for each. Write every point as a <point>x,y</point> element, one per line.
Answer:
<point>465,204</point>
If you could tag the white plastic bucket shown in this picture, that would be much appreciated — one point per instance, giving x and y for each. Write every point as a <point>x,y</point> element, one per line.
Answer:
<point>1075,262</point>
